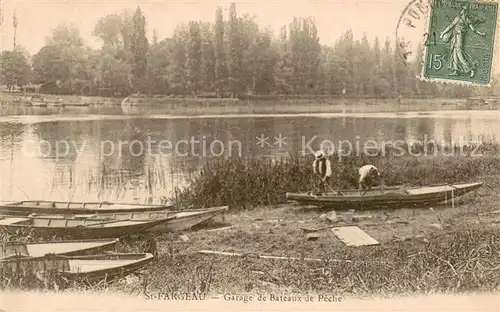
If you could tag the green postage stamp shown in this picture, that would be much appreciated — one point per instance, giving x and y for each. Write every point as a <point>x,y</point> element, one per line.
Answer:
<point>459,46</point>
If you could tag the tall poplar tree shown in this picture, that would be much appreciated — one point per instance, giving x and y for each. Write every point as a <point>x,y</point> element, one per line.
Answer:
<point>139,50</point>
<point>235,52</point>
<point>220,56</point>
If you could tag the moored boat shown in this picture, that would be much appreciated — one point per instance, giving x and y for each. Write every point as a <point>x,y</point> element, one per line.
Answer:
<point>90,268</point>
<point>181,220</point>
<point>185,220</point>
<point>78,228</point>
<point>25,208</point>
<point>387,197</point>
<point>178,220</point>
<point>66,247</point>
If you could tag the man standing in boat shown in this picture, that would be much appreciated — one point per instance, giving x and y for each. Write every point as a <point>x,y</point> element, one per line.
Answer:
<point>368,174</point>
<point>323,168</point>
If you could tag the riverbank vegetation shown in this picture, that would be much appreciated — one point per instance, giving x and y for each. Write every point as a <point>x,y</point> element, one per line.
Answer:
<point>232,56</point>
<point>461,259</point>
<point>444,249</point>
<point>228,181</point>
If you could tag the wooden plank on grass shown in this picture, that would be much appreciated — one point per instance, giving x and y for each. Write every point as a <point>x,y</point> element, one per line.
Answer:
<point>234,254</point>
<point>354,236</point>
<point>222,228</point>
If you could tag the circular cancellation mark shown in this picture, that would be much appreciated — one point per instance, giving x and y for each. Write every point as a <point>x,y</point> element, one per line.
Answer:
<point>410,30</point>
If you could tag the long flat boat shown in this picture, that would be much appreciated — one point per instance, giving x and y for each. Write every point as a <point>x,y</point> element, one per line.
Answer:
<point>78,228</point>
<point>185,220</point>
<point>181,221</point>
<point>92,268</point>
<point>178,220</point>
<point>25,208</point>
<point>388,197</point>
<point>63,248</point>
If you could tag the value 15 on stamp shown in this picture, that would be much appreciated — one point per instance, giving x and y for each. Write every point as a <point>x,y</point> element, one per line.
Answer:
<point>460,42</point>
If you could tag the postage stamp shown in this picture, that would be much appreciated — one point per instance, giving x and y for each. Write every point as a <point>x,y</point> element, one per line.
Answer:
<point>460,42</point>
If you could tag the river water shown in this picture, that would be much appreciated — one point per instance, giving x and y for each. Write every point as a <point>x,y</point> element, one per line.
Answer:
<point>124,158</point>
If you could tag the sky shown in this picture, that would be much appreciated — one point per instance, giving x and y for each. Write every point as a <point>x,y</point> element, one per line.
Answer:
<point>38,17</point>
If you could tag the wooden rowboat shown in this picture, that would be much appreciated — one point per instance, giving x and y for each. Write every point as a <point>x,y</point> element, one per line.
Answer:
<point>179,220</point>
<point>78,228</point>
<point>185,220</point>
<point>66,248</point>
<point>389,197</point>
<point>93,268</point>
<point>24,208</point>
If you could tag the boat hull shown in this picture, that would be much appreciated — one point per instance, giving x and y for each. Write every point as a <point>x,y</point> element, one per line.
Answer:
<point>392,197</point>
<point>90,269</point>
<point>63,248</point>
<point>186,220</point>
<point>25,208</point>
<point>98,228</point>
<point>181,220</point>
<point>109,274</point>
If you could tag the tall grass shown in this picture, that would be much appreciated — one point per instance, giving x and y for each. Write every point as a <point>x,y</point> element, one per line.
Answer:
<point>465,259</point>
<point>246,182</point>
<point>461,260</point>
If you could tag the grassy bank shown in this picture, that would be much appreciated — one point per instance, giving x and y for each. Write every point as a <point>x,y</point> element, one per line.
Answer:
<point>14,98</point>
<point>414,256</point>
<point>460,260</point>
<point>446,249</point>
<point>248,182</point>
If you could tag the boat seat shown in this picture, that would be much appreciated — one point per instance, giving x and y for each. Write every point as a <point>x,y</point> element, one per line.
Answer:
<point>59,222</point>
<point>41,222</point>
<point>46,204</point>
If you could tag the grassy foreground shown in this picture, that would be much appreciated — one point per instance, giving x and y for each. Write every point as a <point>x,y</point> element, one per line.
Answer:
<point>446,249</point>
<point>465,259</point>
<point>441,250</point>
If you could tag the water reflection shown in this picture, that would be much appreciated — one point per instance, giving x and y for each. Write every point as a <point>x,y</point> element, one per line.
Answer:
<point>140,159</point>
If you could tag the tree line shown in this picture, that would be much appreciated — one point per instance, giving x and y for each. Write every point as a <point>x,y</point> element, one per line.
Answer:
<point>230,57</point>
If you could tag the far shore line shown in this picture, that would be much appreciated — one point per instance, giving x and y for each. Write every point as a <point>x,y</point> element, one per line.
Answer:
<point>216,106</point>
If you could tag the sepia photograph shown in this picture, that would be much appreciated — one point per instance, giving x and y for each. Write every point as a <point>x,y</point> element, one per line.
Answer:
<point>269,155</point>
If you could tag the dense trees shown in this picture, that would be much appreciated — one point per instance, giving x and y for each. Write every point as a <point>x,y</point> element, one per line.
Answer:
<point>65,64</point>
<point>233,56</point>
<point>15,69</point>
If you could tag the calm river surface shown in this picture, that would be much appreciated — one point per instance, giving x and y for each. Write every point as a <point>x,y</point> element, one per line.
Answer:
<point>129,158</point>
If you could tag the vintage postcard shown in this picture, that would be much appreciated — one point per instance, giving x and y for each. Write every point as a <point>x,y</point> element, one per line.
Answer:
<point>249,155</point>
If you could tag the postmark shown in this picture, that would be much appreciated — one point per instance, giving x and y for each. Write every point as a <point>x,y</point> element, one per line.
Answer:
<point>460,42</point>
<point>410,31</point>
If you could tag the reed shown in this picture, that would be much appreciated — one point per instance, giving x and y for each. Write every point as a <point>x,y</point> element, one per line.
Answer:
<point>244,182</point>
<point>255,181</point>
